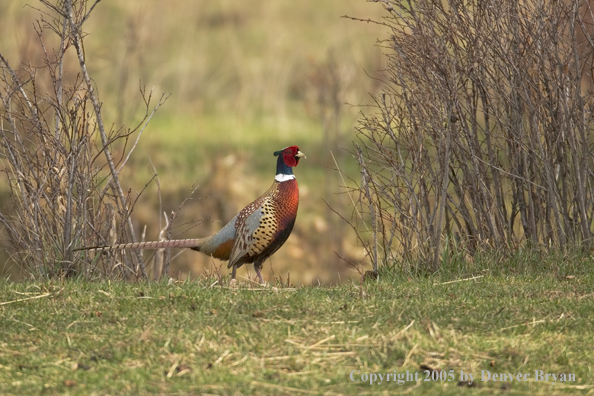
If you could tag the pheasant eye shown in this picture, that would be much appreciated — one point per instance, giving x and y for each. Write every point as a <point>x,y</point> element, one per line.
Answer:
<point>289,158</point>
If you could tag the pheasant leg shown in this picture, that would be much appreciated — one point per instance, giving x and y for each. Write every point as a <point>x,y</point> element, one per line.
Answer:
<point>257,268</point>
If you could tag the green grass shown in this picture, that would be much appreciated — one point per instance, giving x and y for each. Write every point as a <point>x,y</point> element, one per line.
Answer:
<point>196,141</point>
<point>197,337</point>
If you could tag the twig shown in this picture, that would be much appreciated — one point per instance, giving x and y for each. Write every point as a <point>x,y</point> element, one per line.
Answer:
<point>459,280</point>
<point>284,389</point>
<point>320,342</point>
<point>368,20</point>
<point>84,19</point>
<point>97,108</point>
<point>25,299</point>
<point>344,184</point>
<point>168,229</point>
<point>366,179</point>
<point>403,330</point>
<point>350,224</point>
<point>533,323</point>
<point>161,102</point>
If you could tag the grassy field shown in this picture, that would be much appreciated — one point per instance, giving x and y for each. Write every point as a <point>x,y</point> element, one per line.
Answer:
<point>201,337</point>
<point>246,81</point>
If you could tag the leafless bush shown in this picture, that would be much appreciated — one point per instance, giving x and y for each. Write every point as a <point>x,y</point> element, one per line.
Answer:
<point>57,156</point>
<point>482,135</point>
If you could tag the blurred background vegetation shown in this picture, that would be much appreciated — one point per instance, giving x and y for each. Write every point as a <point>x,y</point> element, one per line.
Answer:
<point>244,82</point>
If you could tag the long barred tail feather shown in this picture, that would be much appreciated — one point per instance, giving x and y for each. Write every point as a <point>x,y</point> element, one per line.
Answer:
<point>176,243</point>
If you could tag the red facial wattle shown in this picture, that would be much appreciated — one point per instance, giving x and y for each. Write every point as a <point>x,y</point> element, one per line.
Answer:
<point>290,156</point>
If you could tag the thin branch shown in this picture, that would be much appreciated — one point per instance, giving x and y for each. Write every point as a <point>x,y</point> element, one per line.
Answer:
<point>97,107</point>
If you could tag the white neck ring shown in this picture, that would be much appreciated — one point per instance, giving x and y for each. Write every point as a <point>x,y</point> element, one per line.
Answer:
<point>282,177</point>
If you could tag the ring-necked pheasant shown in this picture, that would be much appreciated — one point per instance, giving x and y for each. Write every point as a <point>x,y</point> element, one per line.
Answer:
<point>257,232</point>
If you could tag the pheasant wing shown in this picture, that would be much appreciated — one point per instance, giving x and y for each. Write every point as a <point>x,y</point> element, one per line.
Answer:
<point>248,220</point>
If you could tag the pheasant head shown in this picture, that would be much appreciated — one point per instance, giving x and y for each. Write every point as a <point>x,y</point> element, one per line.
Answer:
<point>287,159</point>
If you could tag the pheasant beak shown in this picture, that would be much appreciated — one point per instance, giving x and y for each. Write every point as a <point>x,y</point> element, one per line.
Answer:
<point>300,155</point>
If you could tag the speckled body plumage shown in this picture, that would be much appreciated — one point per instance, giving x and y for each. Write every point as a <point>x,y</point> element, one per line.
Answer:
<point>259,230</point>
<point>254,234</point>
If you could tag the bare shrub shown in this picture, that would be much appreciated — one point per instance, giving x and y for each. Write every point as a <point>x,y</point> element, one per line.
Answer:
<point>57,156</point>
<point>482,134</point>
